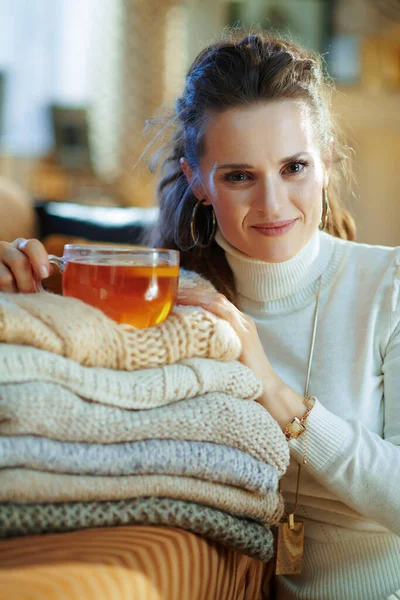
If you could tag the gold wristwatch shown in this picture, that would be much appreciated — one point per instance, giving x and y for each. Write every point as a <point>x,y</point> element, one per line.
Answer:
<point>296,426</point>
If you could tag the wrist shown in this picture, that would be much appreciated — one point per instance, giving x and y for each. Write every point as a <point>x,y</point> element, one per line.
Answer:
<point>292,406</point>
<point>283,403</point>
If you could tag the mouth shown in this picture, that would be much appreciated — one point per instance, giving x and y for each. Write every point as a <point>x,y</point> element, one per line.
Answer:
<point>275,228</point>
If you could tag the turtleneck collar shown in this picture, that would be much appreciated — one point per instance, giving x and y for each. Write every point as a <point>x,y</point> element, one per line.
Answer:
<point>273,284</point>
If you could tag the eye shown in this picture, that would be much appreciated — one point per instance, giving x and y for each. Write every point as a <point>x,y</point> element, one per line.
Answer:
<point>236,177</point>
<point>296,167</point>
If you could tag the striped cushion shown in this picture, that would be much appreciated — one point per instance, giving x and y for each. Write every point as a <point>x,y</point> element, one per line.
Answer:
<point>127,563</point>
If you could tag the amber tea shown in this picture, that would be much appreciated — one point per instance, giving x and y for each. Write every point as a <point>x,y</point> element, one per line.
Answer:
<point>134,286</point>
<point>138,296</point>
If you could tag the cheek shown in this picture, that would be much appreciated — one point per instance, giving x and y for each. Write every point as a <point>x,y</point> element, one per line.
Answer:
<point>231,218</point>
<point>230,211</point>
<point>308,195</point>
<point>230,215</point>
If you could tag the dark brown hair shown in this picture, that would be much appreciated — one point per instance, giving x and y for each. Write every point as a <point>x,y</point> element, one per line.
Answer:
<point>235,72</point>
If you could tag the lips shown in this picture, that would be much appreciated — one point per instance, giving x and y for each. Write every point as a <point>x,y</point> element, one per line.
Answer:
<point>274,224</point>
<point>274,229</point>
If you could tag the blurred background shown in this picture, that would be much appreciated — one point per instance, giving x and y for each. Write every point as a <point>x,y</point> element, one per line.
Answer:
<point>79,79</point>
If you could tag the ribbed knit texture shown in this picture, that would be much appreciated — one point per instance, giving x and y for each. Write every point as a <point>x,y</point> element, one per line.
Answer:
<point>49,410</point>
<point>262,281</point>
<point>243,535</point>
<point>141,389</point>
<point>25,485</point>
<point>55,323</point>
<point>203,460</point>
<point>350,487</point>
<point>277,287</point>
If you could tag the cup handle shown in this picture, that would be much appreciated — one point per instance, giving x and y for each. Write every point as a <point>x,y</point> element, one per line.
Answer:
<point>54,260</point>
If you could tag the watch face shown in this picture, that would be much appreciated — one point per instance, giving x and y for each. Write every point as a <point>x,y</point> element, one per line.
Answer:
<point>296,428</point>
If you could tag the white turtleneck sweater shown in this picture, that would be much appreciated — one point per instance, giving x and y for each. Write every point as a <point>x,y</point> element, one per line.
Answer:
<point>350,488</point>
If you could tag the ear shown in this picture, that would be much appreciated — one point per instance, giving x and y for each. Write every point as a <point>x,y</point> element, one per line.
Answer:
<point>196,187</point>
<point>327,160</point>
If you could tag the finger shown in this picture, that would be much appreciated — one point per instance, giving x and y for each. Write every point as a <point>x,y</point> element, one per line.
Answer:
<point>221,307</point>
<point>7,282</point>
<point>191,294</point>
<point>20,267</point>
<point>217,304</point>
<point>194,296</point>
<point>37,255</point>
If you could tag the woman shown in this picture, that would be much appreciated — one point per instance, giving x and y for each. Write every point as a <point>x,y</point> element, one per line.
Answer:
<point>245,196</point>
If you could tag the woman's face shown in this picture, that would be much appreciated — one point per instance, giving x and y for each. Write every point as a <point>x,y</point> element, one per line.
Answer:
<point>263,173</point>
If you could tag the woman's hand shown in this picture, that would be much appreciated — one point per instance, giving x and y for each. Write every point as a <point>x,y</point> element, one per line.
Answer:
<point>282,402</point>
<point>19,262</point>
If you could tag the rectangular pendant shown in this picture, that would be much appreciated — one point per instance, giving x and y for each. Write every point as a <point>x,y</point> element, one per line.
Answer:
<point>290,548</point>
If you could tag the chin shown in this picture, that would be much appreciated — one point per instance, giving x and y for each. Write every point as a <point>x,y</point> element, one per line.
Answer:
<point>276,249</point>
<point>277,257</point>
<point>276,252</point>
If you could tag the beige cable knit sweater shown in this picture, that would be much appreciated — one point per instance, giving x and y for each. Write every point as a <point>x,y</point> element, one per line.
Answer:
<point>73,329</point>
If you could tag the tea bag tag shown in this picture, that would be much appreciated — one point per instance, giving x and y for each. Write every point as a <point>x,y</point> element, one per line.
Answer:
<point>290,547</point>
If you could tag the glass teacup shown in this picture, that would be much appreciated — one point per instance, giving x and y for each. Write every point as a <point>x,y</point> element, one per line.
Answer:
<point>133,286</point>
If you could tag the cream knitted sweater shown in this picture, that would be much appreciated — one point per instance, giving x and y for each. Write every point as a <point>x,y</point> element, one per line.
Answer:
<point>350,487</point>
<point>140,389</point>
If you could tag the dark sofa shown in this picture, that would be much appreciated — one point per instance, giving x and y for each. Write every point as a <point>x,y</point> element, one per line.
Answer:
<point>61,223</point>
<point>94,223</point>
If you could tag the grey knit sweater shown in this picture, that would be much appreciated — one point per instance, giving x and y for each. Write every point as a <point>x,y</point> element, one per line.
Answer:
<point>243,535</point>
<point>204,460</point>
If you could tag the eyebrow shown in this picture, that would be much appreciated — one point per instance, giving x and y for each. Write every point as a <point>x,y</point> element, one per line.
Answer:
<point>247,166</point>
<point>234,166</point>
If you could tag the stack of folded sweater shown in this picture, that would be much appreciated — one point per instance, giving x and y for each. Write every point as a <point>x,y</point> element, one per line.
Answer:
<point>101,425</point>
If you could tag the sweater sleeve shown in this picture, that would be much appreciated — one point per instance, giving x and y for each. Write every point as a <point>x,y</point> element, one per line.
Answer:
<point>361,468</point>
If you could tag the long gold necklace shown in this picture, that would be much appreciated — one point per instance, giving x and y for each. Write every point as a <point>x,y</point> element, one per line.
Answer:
<point>290,546</point>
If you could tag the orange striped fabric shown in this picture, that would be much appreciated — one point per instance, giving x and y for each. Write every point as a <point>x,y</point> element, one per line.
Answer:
<point>127,563</point>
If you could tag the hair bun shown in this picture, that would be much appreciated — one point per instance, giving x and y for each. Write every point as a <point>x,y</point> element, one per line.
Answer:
<point>255,43</point>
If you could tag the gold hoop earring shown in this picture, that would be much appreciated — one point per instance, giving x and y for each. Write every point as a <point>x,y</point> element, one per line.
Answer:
<point>325,210</point>
<point>194,234</point>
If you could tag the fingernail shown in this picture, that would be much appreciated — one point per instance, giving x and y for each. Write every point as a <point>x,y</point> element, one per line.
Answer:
<point>44,271</point>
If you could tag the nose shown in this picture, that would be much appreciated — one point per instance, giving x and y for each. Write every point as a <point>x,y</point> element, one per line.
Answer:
<point>269,197</point>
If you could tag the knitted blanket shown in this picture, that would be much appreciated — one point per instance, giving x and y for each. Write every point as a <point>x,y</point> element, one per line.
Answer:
<point>73,329</point>
<point>25,485</point>
<point>141,389</point>
<point>244,535</point>
<point>203,460</point>
<point>49,410</point>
